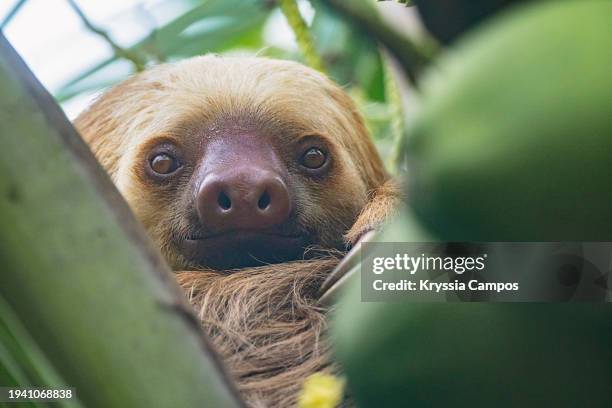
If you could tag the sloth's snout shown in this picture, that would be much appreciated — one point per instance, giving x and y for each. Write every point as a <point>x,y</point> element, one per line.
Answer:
<point>244,205</point>
<point>244,198</point>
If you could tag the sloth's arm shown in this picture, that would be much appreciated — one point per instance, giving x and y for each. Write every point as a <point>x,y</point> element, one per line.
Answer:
<point>382,205</point>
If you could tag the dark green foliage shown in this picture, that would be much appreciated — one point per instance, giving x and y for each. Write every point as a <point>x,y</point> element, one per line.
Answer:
<point>448,19</point>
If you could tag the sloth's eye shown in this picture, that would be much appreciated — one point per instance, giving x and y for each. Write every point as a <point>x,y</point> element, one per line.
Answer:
<point>163,163</point>
<point>313,158</point>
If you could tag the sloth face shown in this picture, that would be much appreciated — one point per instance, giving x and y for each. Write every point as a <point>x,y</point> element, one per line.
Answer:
<point>234,162</point>
<point>239,192</point>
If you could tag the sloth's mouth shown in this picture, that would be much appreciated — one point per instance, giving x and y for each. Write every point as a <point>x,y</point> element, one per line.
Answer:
<point>242,248</point>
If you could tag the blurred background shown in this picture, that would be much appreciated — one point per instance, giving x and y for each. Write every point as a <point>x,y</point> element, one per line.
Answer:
<point>78,48</point>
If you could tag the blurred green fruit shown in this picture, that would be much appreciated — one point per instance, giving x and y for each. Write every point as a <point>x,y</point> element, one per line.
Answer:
<point>514,140</point>
<point>474,354</point>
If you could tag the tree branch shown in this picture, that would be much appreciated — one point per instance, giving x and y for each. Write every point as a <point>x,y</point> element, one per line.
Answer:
<point>138,62</point>
<point>302,34</point>
<point>12,12</point>
<point>93,295</point>
<point>413,58</point>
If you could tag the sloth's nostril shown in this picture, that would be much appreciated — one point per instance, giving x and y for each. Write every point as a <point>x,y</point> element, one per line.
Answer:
<point>224,201</point>
<point>264,201</point>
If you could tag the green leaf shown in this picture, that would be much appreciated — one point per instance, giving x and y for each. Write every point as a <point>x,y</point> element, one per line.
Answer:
<point>352,58</point>
<point>209,26</point>
<point>22,363</point>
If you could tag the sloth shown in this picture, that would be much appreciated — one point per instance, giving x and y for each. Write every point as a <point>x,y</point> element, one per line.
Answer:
<point>253,177</point>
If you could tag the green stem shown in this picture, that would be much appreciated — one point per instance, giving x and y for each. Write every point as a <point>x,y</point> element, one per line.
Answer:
<point>12,12</point>
<point>302,34</point>
<point>138,62</point>
<point>394,98</point>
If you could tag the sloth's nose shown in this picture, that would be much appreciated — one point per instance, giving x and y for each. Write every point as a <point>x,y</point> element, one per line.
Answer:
<point>243,199</point>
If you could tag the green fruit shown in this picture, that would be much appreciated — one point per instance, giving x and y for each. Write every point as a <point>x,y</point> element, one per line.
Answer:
<point>474,354</point>
<point>514,142</point>
<point>514,139</point>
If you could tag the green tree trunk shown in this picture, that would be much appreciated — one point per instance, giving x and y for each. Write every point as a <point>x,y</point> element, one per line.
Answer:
<point>76,270</point>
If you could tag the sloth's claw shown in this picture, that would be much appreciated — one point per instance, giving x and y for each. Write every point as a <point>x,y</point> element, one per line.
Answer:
<point>341,273</point>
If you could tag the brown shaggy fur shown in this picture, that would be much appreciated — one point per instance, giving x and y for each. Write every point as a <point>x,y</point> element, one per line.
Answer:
<point>266,325</point>
<point>264,321</point>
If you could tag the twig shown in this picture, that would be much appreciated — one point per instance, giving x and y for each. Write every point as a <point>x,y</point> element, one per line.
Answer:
<point>396,105</point>
<point>412,57</point>
<point>12,12</point>
<point>137,60</point>
<point>302,34</point>
<point>151,49</point>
